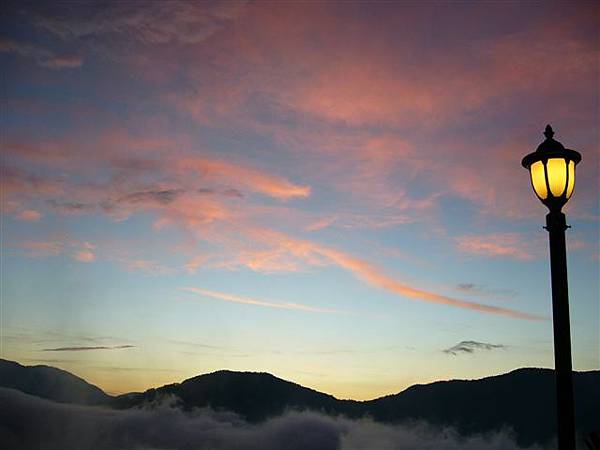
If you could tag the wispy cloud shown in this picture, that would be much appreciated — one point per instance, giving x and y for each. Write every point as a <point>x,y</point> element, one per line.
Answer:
<point>179,22</point>
<point>86,253</point>
<point>259,302</point>
<point>83,349</point>
<point>486,291</point>
<point>245,244</point>
<point>374,276</point>
<point>41,248</point>
<point>507,245</point>
<point>30,215</point>
<point>164,196</point>
<point>279,251</point>
<point>372,221</point>
<point>147,266</point>
<point>40,55</point>
<point>252,178</point>
<point>81,251</point>
<point>471,347</point>
<point>321,224</point>
<point>358,130</point>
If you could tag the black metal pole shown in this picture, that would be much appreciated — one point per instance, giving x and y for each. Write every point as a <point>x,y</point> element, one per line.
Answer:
<point>556,225</point>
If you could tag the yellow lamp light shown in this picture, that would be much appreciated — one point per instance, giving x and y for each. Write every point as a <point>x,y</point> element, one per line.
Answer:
<point>552,170</point>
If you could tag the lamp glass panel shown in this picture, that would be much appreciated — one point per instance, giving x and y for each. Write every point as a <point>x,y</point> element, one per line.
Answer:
<point>538,179</point>
<point>571,184</point>
<point>557,176</point>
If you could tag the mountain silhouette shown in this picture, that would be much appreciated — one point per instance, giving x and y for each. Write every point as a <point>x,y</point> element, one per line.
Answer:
<point>253,395</point>
<point>522,400</point>
<point>50,383</point>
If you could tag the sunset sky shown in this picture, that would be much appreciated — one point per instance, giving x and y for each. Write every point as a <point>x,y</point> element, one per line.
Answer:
<point>329,192</point>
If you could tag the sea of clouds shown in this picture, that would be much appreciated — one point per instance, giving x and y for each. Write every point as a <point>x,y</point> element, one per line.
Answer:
<point>28,422</point>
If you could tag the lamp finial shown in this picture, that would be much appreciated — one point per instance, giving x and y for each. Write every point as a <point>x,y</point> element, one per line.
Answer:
<point>548,132</point>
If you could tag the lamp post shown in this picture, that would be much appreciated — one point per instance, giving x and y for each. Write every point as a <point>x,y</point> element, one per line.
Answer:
<point>552,171</point>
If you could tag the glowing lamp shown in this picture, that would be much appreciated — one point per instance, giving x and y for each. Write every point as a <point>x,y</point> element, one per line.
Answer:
<point>552,171</point>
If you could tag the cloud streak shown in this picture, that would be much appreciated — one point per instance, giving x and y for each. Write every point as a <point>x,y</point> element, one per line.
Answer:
<point>85,349</point>
<point>254,179</point>
<point>482,290</point>
<point>30,215</point>
<point>182,22</point>
<point>279,251</point>
<point>42,56</point>
<point>497,245</point>
<point>374,276</point>
<point>288,252</point>
<point>257,302</point>
<point>84,252</point>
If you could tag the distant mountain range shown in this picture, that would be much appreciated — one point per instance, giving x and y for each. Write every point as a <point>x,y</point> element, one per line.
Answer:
<point>522,400</point>
<point>50,383</point>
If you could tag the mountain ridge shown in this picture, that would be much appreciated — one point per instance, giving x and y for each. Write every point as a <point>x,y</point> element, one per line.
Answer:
<point>51,383</point>
<point>522,400</point>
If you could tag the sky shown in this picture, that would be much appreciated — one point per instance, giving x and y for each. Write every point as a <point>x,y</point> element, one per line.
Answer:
<point>327,191</point>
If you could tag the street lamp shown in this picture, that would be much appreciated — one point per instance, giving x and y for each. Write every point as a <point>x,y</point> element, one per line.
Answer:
<point>552,171</point>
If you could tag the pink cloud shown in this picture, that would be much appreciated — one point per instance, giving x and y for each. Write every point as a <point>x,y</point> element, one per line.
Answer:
<point>376,277</point>
<point>344,71</point>
<point>13,205</point>
<point>85,256</point>
<point>41,249</point>
<point>16,181</point>
<point>131,186</point>
<point>193,264</point>
<point>85,253</point>
<point>373,81</point>
<point>240,242</point>
<point>507,245</point>
<point>245,176</point>
<point>281,252</point>
<point>374,123</point>
<point>348,84</point>
<point>30,215</point>
<point>80,251</point>
<point>321,224</point>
